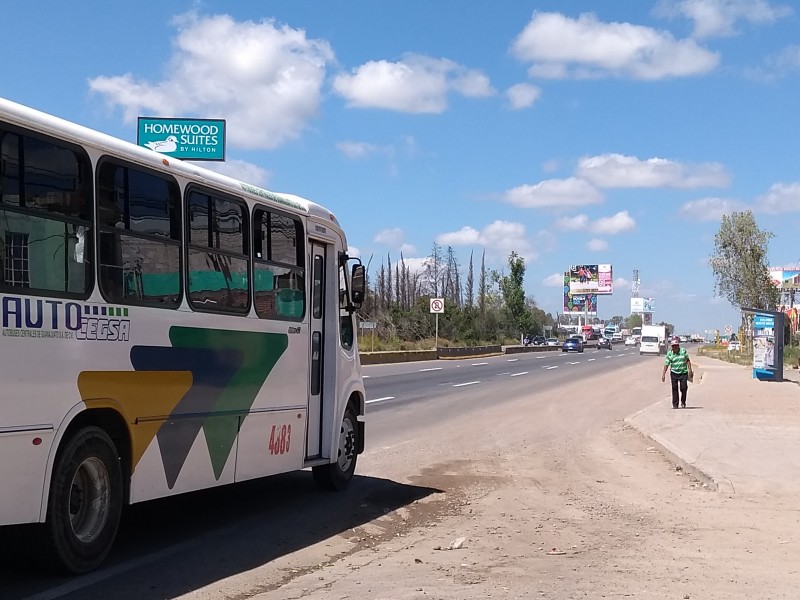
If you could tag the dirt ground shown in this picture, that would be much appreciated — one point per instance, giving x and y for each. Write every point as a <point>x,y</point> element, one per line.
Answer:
<point>552,503</point>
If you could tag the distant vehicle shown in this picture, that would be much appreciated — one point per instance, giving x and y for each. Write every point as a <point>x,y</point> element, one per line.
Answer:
<point>653,340</point>
<point>734,346</point>
<point>573,344</point>
<point>552,342</point>
<point>611,330</point>
<point>631,340</point>
<point>539,340</point>
<point>604,342</point>
<point>589,333</point>
<point>617,337</point>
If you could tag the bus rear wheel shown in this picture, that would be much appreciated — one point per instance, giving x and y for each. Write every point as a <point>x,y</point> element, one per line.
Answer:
<point>336,475</point>
<point>85,504</point>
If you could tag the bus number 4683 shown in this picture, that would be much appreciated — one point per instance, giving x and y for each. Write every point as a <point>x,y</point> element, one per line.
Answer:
<point>279,439</point>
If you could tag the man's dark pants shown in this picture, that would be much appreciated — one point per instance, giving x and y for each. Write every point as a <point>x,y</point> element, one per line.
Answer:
<point>676,379</point>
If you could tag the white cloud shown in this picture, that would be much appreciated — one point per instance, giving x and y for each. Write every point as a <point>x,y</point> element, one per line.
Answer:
<point>786,62</point>
<point>415,265</point>
<point>522,95</point>
<point>499,238</point>
<point>611,225</point>
<point>781,198</point>
<point>562,47</point>
<point>357,150</point>
<point>353,251</point>
<point>575,223</point>
<point>621,282</point>
<point>554,193</point>
<point>554,280</point>
<point>241,170</point>
<point>407,249</point>
<point>719,17</point>
<point>709,209</point>
<point>390,237</point>
<point>263,78</point>
<point>614,224</point>
<point>416,84</point>
<point>619,171</point>
<point>597,245</point>
<point>550,166</point>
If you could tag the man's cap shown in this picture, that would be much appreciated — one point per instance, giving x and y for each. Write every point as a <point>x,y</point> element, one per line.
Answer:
<point>676,340</point>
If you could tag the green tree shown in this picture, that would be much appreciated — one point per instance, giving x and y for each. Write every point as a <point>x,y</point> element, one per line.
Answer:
<point>739,263</point>
<point>633,321</point>
<point>514,295</point>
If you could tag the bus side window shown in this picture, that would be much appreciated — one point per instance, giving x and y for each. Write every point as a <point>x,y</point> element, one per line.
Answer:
<point>279,287</point>
<point>218,253</point>
<point>45,216</point>
<point>140,236</point>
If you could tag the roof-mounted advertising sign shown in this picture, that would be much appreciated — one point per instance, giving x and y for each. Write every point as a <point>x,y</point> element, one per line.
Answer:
<point>188,139</point>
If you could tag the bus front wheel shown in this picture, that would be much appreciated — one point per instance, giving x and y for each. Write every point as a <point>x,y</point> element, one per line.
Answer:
<point>336,475</point>
<point>85,503</point>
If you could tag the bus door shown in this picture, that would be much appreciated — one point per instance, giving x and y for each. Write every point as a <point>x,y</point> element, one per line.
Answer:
<point>319,269</point>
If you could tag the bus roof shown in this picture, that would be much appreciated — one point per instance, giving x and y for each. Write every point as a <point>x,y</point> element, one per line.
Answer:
<point>24,116</point>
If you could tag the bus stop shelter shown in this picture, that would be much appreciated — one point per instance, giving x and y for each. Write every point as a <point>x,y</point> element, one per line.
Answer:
<point>768,336</point>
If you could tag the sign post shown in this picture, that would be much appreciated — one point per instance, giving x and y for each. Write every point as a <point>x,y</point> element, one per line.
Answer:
<point>437,308</point>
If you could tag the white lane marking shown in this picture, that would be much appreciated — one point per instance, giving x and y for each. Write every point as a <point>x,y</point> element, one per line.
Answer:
<point>554,367</point>
<point>574,363</point>
<point>479,364</point>
<point>463,384</point>
<point>514,359</point>
<point>591,359</point>
<point>540,357</point>
<point>607,357</point>
<point>506,373</point>
<point>431,369</point>
<point>365,377</point>
<point>518,374</point>
<point>380,399</point>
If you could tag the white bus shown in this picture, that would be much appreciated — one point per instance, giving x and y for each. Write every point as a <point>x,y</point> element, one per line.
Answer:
<point>165,329</point>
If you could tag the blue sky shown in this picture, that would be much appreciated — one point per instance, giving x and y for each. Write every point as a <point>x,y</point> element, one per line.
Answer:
<point>572,132</point>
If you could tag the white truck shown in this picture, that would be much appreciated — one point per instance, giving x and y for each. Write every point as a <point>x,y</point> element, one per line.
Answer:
<point>654,339</point>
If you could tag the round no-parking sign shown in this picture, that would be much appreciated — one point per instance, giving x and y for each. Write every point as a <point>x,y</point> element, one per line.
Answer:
<point>437,305</point>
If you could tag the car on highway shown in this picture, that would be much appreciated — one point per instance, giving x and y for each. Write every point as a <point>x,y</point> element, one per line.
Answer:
<point>734,346</point>
<point>573,344</point>
<point>552,342</point>
<point>539,340</point>
<point>631,340</point>
<point>604,342</point>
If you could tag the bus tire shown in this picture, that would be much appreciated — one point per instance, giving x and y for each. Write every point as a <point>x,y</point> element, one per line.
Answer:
<point>85,505</point>
<point>336,475</point>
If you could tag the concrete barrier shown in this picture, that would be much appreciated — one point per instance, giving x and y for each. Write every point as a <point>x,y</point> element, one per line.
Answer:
<point>396,356</point>
<point>468,351</point>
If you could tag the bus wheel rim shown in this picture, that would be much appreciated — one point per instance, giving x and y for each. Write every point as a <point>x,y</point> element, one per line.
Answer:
<point>347,445</point>
<point>89,500</point>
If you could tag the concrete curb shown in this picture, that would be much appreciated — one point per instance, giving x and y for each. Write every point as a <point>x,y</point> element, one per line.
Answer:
<point>673,456</point>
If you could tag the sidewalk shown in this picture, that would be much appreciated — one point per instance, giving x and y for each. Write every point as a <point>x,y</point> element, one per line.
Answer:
<point>738,434</point>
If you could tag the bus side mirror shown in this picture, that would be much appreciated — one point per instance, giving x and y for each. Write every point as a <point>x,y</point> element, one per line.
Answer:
<point>359,283</point>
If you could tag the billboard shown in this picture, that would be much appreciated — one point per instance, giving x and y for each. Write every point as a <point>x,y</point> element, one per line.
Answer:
<point>785,278</point>
<point>578,303</point>
<point>188,139</point>
<point>643,305</point>
<point>591,279</point>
